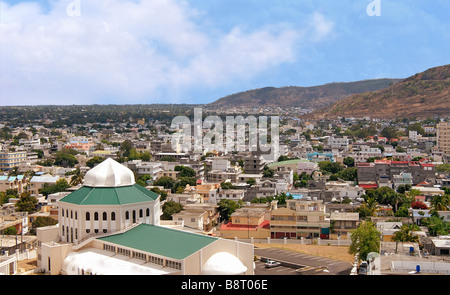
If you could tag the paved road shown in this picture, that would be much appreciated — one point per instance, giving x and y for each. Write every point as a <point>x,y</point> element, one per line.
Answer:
<point>336,267</point>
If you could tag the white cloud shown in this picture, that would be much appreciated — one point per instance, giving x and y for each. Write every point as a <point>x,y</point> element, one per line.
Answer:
<point>132,52</point>
<point>320,27</point>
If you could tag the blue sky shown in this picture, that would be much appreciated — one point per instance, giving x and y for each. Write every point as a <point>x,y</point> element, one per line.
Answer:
<point>196,51</point>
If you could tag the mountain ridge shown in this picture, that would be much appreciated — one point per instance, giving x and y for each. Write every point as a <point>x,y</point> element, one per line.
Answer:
<point>421,95</point>
<point>311,97</point>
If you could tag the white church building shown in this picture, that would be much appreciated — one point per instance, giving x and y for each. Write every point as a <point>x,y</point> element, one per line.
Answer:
<point>111,225</point>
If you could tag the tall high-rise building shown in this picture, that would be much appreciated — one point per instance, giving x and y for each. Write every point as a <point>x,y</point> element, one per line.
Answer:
<point>443,137</point>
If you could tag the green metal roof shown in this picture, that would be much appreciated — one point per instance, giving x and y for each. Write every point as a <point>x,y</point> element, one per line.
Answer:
<point>162,241</point>
<point>110,195</point>
<point>288,162</point>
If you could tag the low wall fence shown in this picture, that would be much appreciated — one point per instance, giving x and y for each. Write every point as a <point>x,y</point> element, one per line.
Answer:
<point>302,241</point>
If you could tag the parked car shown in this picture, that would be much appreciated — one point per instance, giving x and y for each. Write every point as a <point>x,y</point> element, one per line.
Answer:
<point>362,270</point>
<point>272,263</point>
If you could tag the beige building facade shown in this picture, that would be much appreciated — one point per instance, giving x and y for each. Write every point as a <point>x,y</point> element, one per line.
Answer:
<point>443,137</point>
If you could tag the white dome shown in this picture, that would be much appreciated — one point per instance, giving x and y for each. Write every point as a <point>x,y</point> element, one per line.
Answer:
<point>109,173</point>
<point>223,263</point>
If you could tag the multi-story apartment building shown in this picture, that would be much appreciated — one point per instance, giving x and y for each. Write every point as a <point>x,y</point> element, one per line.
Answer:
<point>443,137</point>
<point>145,168</point>
<point>13,182</point>
<point>9,160</point>
<point>207,191</point>
<point>338,142</point>
<point>230,194</point>
<point>299,219</point>
<point>383,171</point>
<point>254,164</point>
<point>231,174</point>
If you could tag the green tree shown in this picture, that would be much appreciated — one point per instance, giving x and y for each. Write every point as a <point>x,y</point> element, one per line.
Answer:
<point>349,161</point>
<point>145,156</point>
<point>169,208</point>
<point>349,174</point>
<point>443,168</point>
<point>42,221</point>
<point>403,211</point>
<point>185,171</point>
<point>60,186</point>
<point>12,192</point>
<point>65,159</point>
<point>4,198</point>
<point>365,239</point>
<point>416,127</point>
<point>388,132</point>
<point>405,234</point>
<point>77,177</point>
<point>268,172</point>
<point>226,208</point>
<point>162,193</point>
<point>402,188</point>
<point>39,152</point>
<point>26,203</point>
<point>142,179</point>
<point>440,203</point>
<point>10,231</point>
<point>168,159</point>
<point>282,197</point>
<point>165,181</point>
<point>125,148</point>
<point>227,185</point>
<point>251,181</point>
<point>368,208</point>
<point>94,161</point>
<point>330,167</point>
<point>180,185</point>
<point>436,225</point>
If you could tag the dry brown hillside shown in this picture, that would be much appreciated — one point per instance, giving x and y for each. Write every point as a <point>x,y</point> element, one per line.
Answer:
<point>313,97</point>
<point>423,95</point>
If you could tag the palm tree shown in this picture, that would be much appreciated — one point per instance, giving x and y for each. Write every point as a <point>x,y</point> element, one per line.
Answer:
<point>405,235</point>
<point>440,203</point>
<point>77,178</point>
<point>372,205</point>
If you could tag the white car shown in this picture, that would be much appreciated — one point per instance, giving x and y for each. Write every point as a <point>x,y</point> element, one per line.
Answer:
<point>272,263</point>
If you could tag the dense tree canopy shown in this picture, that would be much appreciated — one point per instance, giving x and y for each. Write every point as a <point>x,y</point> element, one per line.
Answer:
<point>365,239</point>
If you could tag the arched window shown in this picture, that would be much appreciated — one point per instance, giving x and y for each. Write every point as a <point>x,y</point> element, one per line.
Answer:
<point>96,216</point>
<point>127,215</point>
<point>62,213</point>
<point>105,216</point>
<point>76,215</point>
<point>141,213</point>
<point>88,216</point>
<point>113,216</point>
<point>147,212</point>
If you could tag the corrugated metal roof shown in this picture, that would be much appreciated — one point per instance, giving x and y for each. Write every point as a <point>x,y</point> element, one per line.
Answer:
<point>162,241</point>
